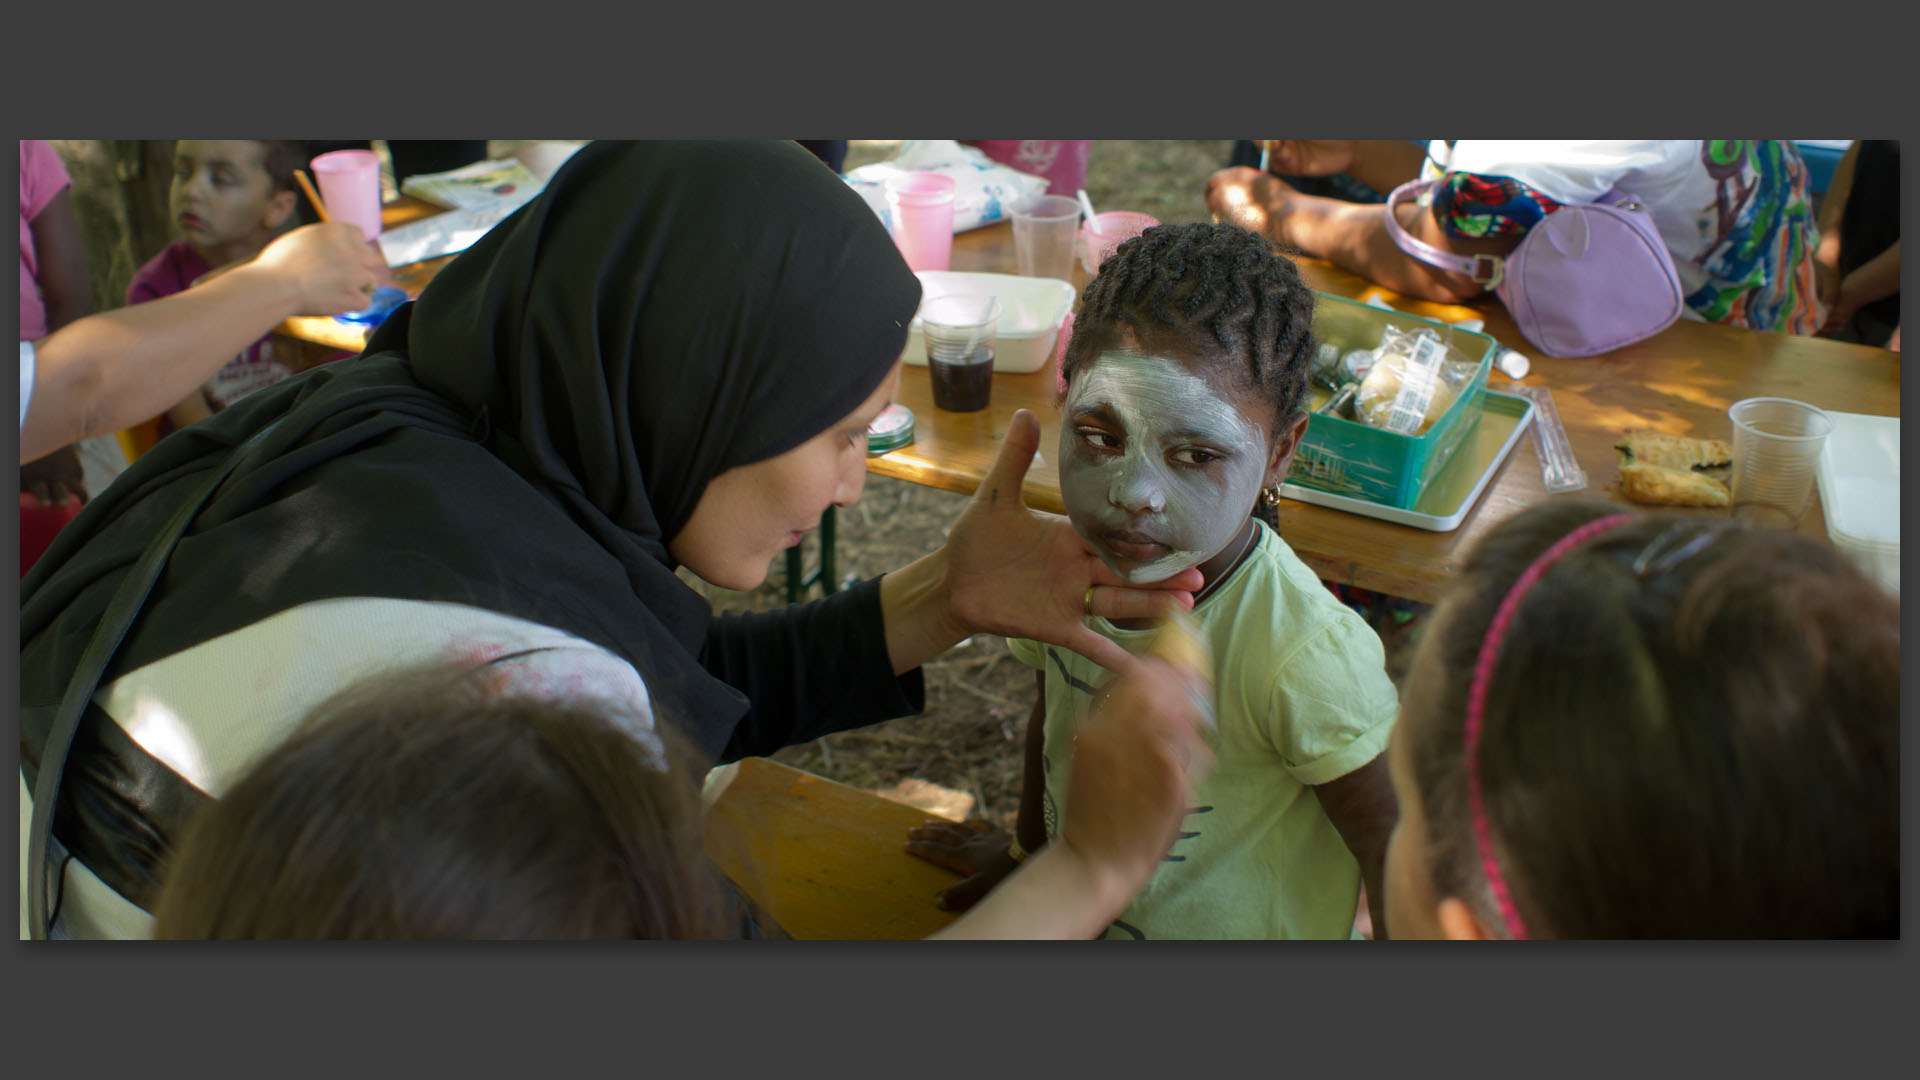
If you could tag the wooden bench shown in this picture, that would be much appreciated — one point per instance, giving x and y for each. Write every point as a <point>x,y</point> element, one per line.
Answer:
<point>825,861</point>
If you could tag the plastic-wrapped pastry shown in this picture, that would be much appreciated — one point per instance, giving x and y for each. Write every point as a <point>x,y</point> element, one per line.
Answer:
<point>1374,405</point>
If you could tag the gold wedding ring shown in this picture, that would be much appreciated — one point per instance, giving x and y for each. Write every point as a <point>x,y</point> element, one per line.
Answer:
<point>1086,602</point>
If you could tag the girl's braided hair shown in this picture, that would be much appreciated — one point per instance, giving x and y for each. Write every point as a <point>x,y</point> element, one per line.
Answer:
<point>1216,291</point>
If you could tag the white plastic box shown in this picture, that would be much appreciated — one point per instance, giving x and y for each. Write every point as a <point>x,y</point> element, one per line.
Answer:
<point>1859,476</point>
<point>1031,311</point>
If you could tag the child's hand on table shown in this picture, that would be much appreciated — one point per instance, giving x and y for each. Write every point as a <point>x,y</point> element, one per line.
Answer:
<point>976,850</point>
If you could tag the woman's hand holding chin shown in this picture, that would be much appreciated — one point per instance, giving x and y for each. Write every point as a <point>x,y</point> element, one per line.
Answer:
<point>1011,570</point>
<point>1015,571</point>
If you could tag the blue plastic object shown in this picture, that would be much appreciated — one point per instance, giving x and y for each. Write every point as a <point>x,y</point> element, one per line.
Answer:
<point>1821,161</point>
<point>385,300</point>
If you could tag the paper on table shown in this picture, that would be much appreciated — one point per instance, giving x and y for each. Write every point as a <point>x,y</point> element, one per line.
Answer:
<point>442,234</point>
<point>476,184</point>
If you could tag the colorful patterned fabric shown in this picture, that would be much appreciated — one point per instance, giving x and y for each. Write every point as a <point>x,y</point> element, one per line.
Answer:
<point>1760,263</point>
<point>1470,206</point>
<point>1737,220</point>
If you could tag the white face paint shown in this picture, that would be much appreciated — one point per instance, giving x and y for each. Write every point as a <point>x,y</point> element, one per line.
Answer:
<point>1158,471</point>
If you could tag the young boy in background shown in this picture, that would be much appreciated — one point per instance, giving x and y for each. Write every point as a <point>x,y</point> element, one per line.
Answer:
<point>230,197</point>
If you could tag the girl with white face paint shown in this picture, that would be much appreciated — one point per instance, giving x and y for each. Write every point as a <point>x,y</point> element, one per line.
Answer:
<point>1185,376</point>
<point>1160,467</point>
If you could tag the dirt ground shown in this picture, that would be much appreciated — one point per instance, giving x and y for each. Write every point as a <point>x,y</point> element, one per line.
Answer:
<point>961,757</point>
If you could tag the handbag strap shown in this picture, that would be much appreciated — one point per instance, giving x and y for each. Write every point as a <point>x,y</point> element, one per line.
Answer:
<point>1485,270</point>
<point>112,629</point>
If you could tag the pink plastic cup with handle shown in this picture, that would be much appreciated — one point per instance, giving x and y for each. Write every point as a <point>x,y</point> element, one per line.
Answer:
<point>1116,227</point>
<point>350,184</point>
<point>921,205</point>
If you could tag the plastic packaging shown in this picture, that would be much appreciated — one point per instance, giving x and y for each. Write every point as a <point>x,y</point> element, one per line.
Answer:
<point>1411,383</point>
<point>1560,471</point>
<point>983,188</point>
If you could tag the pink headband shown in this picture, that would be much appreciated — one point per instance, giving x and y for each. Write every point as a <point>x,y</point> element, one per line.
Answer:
<point>1477,700</point>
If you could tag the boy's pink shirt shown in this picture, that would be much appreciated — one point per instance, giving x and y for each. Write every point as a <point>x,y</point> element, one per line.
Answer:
<point>178,265</point>
<point>42,177</point>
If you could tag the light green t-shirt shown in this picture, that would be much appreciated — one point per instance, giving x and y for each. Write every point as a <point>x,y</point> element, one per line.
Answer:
<point>1302,698</point>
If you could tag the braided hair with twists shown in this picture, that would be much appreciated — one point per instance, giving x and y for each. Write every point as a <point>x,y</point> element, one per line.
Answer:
<point>1213,291</point>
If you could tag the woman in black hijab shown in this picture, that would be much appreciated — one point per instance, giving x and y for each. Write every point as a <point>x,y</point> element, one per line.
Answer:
<point>668,358</point>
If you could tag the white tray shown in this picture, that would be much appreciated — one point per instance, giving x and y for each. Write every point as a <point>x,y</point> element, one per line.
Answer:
<point>1031,311</point>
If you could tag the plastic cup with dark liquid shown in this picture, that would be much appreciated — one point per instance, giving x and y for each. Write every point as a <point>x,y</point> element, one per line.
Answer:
<point>961,334</point>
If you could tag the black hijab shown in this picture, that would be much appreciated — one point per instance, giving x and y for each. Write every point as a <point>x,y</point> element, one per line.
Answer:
<point>525,438</point>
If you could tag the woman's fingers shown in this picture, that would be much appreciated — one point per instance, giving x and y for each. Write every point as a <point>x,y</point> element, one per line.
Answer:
<point>1016,457</point>
<point>1131,602</point>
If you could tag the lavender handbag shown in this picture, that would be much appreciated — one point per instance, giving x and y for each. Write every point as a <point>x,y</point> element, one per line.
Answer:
<point>1587,279</point>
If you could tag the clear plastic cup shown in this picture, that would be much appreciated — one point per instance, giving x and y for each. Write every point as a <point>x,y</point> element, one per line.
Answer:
<point>1043,232</point>
<point>350,186</point>
<point>921,204</point>
<point>1776,453</point>
<point>961,332</point>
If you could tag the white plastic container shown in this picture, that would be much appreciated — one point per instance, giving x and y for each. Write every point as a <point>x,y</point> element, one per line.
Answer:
<point>1859,477</point>
<point>1031,311</point>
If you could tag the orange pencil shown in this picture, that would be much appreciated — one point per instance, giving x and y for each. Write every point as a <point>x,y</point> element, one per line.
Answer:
<point>313,196</point>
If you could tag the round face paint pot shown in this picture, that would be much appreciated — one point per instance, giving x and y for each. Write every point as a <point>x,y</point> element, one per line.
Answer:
<point>890,431</point>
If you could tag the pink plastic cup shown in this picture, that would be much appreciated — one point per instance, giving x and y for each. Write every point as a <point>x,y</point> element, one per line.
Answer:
<point>921,204</point>
<point>1116,227</point>
<point>350,183</point>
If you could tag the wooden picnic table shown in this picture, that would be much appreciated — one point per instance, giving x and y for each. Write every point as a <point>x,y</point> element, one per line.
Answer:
<point>825,861</point>
<point>1680,381</point>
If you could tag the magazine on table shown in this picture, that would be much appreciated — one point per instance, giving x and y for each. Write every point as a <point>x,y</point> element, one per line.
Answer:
<point>476,185</point>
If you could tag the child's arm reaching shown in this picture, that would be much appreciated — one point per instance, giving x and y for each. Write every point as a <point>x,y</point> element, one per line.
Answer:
<point>118,368</point>
<point>1362,806</point>
<point>978,851</point>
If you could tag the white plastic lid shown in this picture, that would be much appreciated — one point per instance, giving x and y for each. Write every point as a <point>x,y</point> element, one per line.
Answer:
<point>1860,480</point>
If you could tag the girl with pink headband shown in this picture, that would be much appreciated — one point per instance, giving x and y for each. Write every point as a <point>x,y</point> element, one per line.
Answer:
<point>1650,726</point>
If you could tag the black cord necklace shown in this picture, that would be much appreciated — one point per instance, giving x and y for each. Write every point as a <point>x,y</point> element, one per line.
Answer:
<point>1253,533</point>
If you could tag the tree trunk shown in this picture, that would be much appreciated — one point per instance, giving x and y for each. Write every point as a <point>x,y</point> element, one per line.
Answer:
<point>120,189</point>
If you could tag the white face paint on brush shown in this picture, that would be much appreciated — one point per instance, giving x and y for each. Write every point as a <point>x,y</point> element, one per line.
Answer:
<point>1158,471</point>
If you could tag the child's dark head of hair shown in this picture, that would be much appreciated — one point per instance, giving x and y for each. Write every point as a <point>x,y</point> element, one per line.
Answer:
<point>1209,292</point>
<point>1689,730</point>
<point>280,157</point>
<point>423,805</point>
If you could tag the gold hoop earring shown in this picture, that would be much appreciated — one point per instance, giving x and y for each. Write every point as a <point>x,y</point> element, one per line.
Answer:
<point>1270,497</point>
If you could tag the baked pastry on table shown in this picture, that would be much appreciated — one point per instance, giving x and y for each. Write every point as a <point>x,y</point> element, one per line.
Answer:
<point>1674,470</point>
<point>1671,487</point>
<point>1711,456</point>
